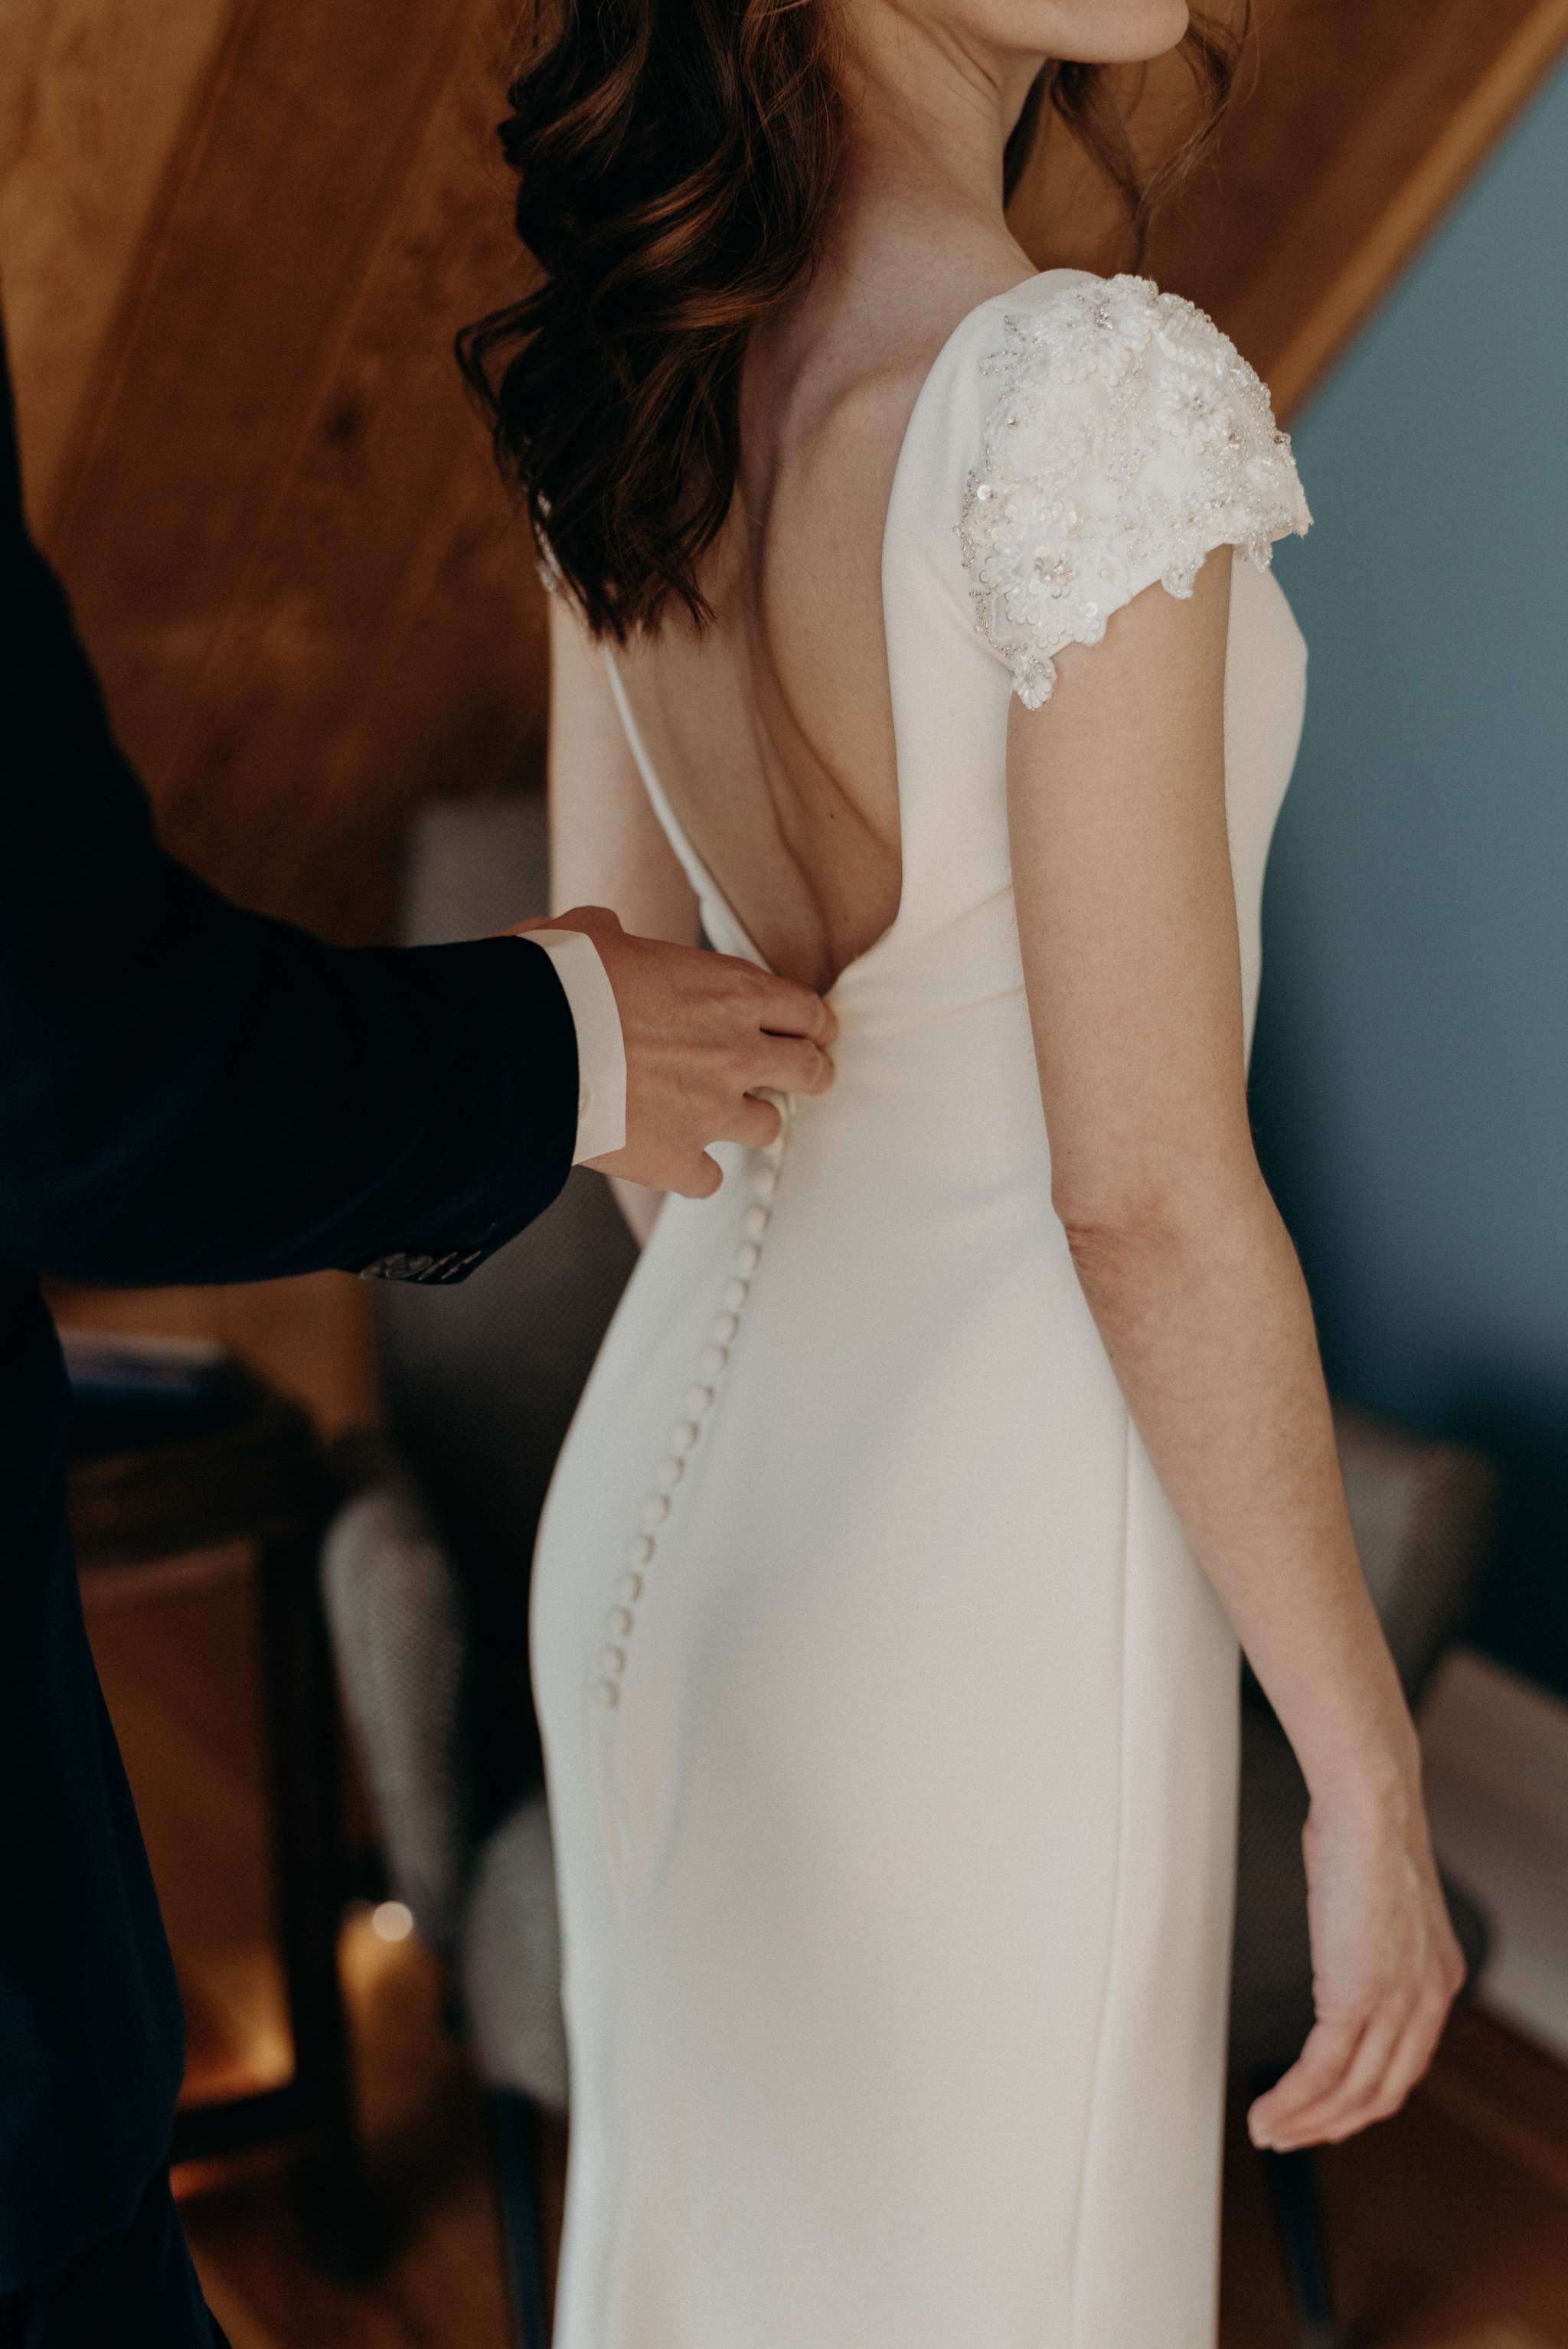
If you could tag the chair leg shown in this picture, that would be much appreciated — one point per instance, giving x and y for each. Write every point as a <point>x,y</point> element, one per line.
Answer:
<point>1293,2190</point>
<point>515,2124</point>
<point>302,1722</point>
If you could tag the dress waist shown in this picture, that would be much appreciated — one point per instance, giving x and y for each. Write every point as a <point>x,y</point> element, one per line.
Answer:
<point>967,962</point>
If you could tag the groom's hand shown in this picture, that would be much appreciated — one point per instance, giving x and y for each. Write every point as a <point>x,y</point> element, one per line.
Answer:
<point>703,1034</point>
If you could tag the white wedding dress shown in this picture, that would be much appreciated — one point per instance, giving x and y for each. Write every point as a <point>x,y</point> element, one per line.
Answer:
<point>890,1719</point>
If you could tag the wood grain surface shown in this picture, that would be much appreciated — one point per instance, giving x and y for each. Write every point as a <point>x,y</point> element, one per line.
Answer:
<point>1447,2228</point>
<point>236,238</point>
<point>278,520</point>
<point>1355,124</point>
<point>96,101</point>
<point>313,1338</point>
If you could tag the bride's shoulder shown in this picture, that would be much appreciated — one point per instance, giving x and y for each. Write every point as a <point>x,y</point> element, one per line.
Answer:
<point>1124,438</point>
<point>1092,325</point>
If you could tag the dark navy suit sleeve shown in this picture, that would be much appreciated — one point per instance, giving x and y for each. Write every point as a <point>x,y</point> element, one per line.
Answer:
<point>188,1092</point>
<point>192,1092</point>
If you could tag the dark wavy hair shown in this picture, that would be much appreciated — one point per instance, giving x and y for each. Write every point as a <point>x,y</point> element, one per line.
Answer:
<point>676,162</point>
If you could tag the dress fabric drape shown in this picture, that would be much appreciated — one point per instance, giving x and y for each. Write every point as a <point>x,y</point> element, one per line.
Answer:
<point>890,1719</point>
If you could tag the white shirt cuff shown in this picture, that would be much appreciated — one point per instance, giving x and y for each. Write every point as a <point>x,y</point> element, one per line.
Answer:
<point>601,1048</point>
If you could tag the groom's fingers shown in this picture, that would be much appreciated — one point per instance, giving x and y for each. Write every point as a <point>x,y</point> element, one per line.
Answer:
<point>755,1124</point>
<point>700,1180</point>
<point>789,1064</point>
<point>780,1030</point>
<point>788,1008</point>
<point>703,1035</point>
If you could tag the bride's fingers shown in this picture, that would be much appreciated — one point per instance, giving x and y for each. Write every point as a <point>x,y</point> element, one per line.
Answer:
<point>1400,2036</point>
<point>1324,2098</point>
<point>1408,2059</point>
<point>1347,2104</point>
<point>1330,2049</point>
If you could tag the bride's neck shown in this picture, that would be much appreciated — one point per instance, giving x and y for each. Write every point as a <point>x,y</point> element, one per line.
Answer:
<point>928,117</point>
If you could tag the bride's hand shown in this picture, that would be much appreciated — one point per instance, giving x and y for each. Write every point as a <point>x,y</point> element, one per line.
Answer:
<point>1385,1969</point>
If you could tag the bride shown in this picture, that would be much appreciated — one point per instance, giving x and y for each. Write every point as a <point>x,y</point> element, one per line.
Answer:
<point>914,634</point>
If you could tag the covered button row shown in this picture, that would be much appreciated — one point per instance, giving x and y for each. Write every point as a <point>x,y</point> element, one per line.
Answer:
<point>698,1400</point>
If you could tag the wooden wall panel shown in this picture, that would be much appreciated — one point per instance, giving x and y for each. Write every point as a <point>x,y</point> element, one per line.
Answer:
<point>306,595</point>
<point>309,497</point>
<point>1454,100</point>
<point>276,513</point>
<point>236,237</point>
<point>307,598</point>
<point>385,643</point>
<point>1357,123</point>
<point>313,1337</point>
<point>96,98</point>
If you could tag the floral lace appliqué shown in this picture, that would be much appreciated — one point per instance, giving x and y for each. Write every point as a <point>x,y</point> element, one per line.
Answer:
<point>1128,439</point>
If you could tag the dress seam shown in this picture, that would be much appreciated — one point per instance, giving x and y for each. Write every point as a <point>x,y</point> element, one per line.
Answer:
<point>1102,2032</point>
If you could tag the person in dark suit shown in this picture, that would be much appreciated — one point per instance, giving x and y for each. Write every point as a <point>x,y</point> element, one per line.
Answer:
<point>192,1092</point>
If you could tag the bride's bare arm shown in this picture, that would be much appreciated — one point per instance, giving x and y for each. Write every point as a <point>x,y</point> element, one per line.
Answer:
<point>606,847</point>
<point>1127,919</point>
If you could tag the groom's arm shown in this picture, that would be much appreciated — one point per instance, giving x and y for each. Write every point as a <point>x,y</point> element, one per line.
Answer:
<point>190,1092</point>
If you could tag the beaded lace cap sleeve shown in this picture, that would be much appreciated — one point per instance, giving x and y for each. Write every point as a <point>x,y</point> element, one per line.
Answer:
<point>1127,438</point>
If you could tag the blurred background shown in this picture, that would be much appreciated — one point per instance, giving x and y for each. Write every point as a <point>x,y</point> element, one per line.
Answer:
<point>236,240</point>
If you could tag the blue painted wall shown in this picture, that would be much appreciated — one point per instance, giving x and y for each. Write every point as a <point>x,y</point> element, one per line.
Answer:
<point>1410,1080</point>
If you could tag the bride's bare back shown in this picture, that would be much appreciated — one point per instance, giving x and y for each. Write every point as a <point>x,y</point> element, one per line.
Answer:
<point>772,736</point>
<point>771,731</point>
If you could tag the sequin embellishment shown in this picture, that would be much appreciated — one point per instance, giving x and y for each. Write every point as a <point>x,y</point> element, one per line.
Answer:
<point>1128,439</point>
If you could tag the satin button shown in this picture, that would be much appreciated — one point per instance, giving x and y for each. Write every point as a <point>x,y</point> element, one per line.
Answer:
<point>630,1585</point>
<point>736,1294</point>
<point>755,1222</point>
<point>612,1660</point>
<point>725,1326</point>
<point>656,1510</point>
<point>686,1436</point>
<point>765,1182</point>
<point>639,1551</point>
<point>607,1691</point>
<point>697,1399</point>
<point>748,1257</point>
<point>619,1621</point>
<point>671,1471</point>
<point>713,1361</point>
